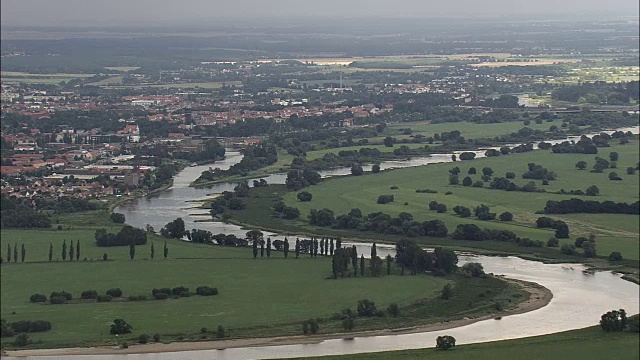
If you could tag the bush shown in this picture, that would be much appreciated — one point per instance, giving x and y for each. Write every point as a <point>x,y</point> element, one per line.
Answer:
<point>445,342</point>
<point>115,292</point>
<point>614,320</point>
<point>89,294</point>
<point>506,216</point>
<point>313,326</point>
<point>179,290</point>
<point>553,242</point>
<point>305,327</point>
<point>220,332</point>
<point>510,175</point>
<point>568,249</point>
<point>22,340</point>
<point>143,339</point>
<point>615,256</point>
<point>393,310</point>
<point>35,298</point>
<point>473,268</point>
<point>28,326</point>
<point>206,291</point>
<point>104,298</point>
<point>137,297</point>
<point>446,292</point>
<point>156,337</point>
<point>62,294</point>
<point>120,326</point>
<point>57,300</point>
<point>117,218</point>
<point>375,168</point>
<point>161,296</point>
<point>304,196</point>
<point>166,291</point>
<point>614,176</point>
<point>384,199</point>
<point>366,307</point>
<point>348,323</point>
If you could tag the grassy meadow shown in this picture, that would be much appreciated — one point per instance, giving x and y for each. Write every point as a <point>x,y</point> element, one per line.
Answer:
<point>588,343</point>
<point>258,297</point>
<point>614,232</point>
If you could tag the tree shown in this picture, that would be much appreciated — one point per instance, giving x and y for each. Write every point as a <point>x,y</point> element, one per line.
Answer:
<point>23,253</point>
<point>255,249</point>
<point>348,323</point>
<point>50,252</point>
<point>393,310</point>
<point>592,191</point>
<point>389,260</point>
<point>366,307</point>
<point>613,156</point>
<point>297,249</point>
<point>614,320</point>
<point>220,332</point>
<point>453,179</point>
<point>15,252</point>
<point>165,250</point>
<point>589,248</point>
<point>269,247</point>
<point>375,168</point>
<point>286,248</point>
<point>120,326</point>
<point>388,141</point>
<point>9,252</point>
<point>467,181</point>
<point>71,251</point>
<point>614,176</point>
<point>117,218</point>
<point>487,171</point>
<point>615,256</point>
<point>132,250</point>
<point>506,216</point>
<point>374,250</point>
<point>331,248</point>
<point>471,171</point>
<point>473,268</point>
<point>153,251</point>
<point>356,169</point>
<point>562,230</point>
<point>304,196</point>
<point>361,265</point>
<point>313,326</point>
<point>305,327</point>
<point>445,342</point>
<point>446,292</point>
<point>631,170</point>
<point>78,250</point>
<point>376,266</point>
<point>175,229</point>
<point>581,165</point>
<point>552,242</point>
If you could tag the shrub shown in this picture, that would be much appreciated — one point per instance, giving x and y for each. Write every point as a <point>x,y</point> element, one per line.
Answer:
<point>161,296</point>
<point>445,342</point>
<point>120,326</point>
<point>348,323</point>
<point>124,345</point>
<point>441,208</point>
<point>166,291</point>
<point>510,175</point>
<point>220,332</point>
<point>473,268</point>
<point>89,294</point>
<point>104,298</point>
<point>614,176</point>
<point>22,340</point>
<point>179,290</point>
<point>115,292</point>
<point>614,320</point>
<point>568,249</point>
<point>57,300</point>
<point>143,339</point>
<point>27,326</point>
<point>35,298</point>
<point>393,310</point>
<point>117,218</point>
<point>384,199</point>
<point>506,216</point>
<point>104,257</point>
<point>206,291</point>
<point>446,292</point>
<point>62,294</point>
<point>304,196</point>
<point>366,307</point>
<point>313,326</point>
<point>553,242</point>
<point>156,337</point>
<point>615,256</point>
<point>305,327</point>
<point>137,297</point>
<point>375,168</point>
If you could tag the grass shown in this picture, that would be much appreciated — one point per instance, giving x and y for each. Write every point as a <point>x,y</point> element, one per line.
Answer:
<point>615,232</point>
<point>258,297</point>
<point>588,343</point>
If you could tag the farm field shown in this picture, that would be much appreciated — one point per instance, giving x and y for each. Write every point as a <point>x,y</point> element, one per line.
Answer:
<point>10,77</point>
<point>345,193</point>
<point>589,343</point>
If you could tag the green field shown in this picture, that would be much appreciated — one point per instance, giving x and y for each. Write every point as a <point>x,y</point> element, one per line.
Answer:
<point>32,78</point>
<point>258,297</point>
<point>615,232</point>
<point>583,344</point>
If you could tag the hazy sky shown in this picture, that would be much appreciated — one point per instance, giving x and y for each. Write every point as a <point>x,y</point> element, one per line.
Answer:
<point>169,12</point>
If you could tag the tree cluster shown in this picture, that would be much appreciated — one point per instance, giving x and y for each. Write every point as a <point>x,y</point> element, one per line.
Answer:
<point>128,235</point>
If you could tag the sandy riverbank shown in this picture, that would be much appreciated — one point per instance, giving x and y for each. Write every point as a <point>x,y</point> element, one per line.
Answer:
<point>539,297</point>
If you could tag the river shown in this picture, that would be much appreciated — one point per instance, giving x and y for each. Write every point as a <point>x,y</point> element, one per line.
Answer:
<point>579,298</point>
